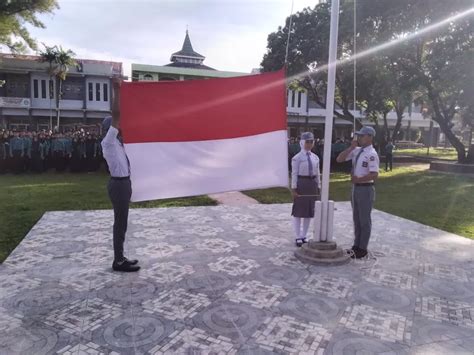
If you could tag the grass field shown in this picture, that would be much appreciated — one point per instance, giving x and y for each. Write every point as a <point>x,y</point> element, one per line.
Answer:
<point>440,200</point>
<point>441,153</point>
<point>24,199</point>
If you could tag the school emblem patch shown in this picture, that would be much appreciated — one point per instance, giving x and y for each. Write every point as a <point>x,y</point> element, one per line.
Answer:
<point>365,164</point>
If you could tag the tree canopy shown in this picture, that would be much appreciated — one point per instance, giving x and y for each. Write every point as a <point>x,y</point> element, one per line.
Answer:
<point>15,15</point>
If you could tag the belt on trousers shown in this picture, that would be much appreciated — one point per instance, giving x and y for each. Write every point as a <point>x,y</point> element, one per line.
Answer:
<point>120,178</point>
<point>365,184</point>
<point>306,177</point>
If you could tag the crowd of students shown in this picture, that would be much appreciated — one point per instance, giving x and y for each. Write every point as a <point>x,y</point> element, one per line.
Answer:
<point>75,151</point>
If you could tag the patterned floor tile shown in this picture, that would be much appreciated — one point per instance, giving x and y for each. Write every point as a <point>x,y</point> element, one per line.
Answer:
<point>447,272</point>
<point>384,325</point>
<point>392,279</point>
<point>257,294</point>
<point>216,245</point>
<point>177,304</point>
<point>444,310</point>
<point>224,279</point>
<point>289,335</point>
<point>234,265</point>
<point>195,341</point>
<point>83,315</point>
<point>330,286</point>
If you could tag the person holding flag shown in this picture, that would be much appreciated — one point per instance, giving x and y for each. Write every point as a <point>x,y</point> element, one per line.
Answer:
<point>120,185</point>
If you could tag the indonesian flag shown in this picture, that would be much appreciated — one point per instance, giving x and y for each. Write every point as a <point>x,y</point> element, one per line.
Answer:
<point>198,137</point>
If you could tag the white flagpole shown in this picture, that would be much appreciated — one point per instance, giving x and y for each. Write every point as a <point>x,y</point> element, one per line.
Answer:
<point>329,121</point>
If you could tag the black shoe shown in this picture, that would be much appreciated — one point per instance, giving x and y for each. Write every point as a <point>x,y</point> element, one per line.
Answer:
<point>124,266</point>
<point>305,240</point>
<point>352,250</point>
<point>360,253</point>
<point>131,262</point>
<point>299,242</point>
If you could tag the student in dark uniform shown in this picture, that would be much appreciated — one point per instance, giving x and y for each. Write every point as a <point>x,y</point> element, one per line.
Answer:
<point>305,186</point>
<point>120,186</point>
<point>27,141</point>
<point>17,153</point>
<point>36,155</point>
<point>389,155</point>
<point>4,153</point>
<point>59,153</point>
<point>91,149</point>
<point>77,158</point>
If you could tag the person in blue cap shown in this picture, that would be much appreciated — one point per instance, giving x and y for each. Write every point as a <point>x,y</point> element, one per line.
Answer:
<point>119,186</point>
<point>364,173</point>
<point>305,186</point>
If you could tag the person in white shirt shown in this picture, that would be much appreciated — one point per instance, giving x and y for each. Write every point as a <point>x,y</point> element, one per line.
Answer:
<point>365,170</point>
<point>305,186</point>
<point>119,186</point>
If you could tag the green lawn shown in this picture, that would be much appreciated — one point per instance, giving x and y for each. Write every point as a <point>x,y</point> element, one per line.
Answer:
<point>440,200</point>
<point>24,199</point>
<point>441,153</point>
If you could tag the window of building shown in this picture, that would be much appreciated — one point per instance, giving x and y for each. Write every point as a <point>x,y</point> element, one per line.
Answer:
<point>35,89</point>
<point>43,89</point>
<point>51,89</point>
<point>292,98</point>
<point>91,92</point>
<point>148,77</point>
<point>97,92</point>
<point>106,92</point>
<point>299,98</point>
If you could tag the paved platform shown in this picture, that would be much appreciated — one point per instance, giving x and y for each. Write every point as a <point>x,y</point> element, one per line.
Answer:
<point>223,280</point>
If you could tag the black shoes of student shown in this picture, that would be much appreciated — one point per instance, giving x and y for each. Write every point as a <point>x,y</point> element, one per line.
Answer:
<point>359,254</point>
<point>299,242</point>
<point>132,262</point>
<point>125,266</point>
<point>352,250</point>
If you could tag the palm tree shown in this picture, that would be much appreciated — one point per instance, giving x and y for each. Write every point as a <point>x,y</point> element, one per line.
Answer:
<point>64,59</point>
<point>59,61</point>
<point>49,55</point>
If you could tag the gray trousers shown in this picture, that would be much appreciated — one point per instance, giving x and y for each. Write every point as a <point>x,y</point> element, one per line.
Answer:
<point>120,192</point>
<point>363,198</point>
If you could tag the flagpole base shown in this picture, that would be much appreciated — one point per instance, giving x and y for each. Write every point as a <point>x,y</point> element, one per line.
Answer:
<point>322,253</point>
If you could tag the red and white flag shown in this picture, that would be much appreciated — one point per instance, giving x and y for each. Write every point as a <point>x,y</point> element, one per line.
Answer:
<point>199,137</point>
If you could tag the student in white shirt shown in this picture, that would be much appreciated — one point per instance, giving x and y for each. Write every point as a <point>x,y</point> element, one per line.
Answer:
<point>119,186</point>
<point>305,186</point>
<point>365,170</point>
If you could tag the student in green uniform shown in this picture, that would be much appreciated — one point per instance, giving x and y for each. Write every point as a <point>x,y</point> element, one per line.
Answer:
<point>17,152</point>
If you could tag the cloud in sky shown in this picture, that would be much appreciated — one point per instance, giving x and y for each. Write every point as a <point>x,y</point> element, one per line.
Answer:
<point>232,34</point>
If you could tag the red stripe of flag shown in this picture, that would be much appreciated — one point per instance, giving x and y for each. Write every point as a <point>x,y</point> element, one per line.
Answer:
<point>197,110</point>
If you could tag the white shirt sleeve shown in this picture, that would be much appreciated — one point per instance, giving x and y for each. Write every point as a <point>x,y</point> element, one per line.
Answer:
<point>350,156</point>
<point>295,167</point>
<point>111,136</point>
<point>374,163</point>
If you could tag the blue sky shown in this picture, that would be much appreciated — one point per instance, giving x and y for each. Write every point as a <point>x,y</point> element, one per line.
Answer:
<point>232,34</point>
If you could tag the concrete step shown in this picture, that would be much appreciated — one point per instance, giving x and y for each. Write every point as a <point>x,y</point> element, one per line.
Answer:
<point>321,254</point>
<point>320,261</point>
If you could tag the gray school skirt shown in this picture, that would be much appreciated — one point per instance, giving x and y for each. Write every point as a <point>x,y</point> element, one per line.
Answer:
<point>303,206</point>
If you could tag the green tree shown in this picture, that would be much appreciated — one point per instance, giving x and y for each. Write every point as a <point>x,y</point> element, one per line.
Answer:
<point>59,60</point>
<point>440,61</point>
<point>308,51</point>
<point>16,15</point>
